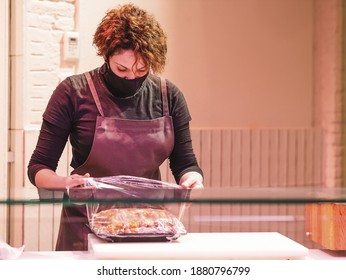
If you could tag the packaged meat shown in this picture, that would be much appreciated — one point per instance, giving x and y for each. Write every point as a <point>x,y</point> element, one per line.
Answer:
<point>137,223</point>
<point>127,208</point>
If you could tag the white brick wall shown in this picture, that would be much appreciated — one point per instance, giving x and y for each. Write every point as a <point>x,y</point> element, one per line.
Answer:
<point>46,23</point>
<point>38,28</point>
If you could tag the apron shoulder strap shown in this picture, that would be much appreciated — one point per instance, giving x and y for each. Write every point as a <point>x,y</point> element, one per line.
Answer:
<point>164,96</point>
<point>94,93</point>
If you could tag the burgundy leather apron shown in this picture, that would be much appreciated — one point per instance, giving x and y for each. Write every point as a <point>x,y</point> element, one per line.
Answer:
<point>120,147</point>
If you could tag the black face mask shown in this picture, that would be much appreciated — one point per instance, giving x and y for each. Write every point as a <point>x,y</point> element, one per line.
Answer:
<point>122,87</point>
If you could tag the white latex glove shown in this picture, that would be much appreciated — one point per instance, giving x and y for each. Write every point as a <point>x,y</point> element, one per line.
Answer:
<point>75,180</point>
<point>192,179</point>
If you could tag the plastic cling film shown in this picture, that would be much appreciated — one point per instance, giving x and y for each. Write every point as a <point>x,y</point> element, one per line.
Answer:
<point>128,188</point>
<point>128,208</point>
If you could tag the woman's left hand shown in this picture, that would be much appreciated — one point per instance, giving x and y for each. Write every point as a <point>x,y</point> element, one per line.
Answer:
<point>192,179</point>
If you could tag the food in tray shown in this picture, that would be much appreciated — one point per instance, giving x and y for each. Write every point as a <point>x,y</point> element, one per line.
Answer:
<point>135,221</point>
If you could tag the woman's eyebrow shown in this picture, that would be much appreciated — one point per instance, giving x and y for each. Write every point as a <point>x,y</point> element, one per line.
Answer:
<point>121,65</point>
<point>143,68</point>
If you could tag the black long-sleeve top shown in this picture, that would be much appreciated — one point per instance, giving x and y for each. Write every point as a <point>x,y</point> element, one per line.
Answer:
<point>71,113</point>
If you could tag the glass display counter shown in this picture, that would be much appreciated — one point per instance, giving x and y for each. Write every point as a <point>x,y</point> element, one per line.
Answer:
<point>312,217</point>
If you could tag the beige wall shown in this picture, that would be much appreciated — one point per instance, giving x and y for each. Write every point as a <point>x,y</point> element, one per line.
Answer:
<point>239,63</point>
<point>329,89</point>
<point>4,67</point>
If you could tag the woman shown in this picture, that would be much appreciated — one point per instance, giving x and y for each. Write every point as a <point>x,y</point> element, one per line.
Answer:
<point>121,118</point>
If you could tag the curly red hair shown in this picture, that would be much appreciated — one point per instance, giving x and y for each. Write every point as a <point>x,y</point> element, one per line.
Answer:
<point>129,27</point>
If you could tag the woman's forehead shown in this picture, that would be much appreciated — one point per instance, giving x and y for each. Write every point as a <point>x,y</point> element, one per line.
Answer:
<point>127,58</point>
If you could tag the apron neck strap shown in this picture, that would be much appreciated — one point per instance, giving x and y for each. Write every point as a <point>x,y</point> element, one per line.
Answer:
<point>164,96</point>
<point>94,93</point>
